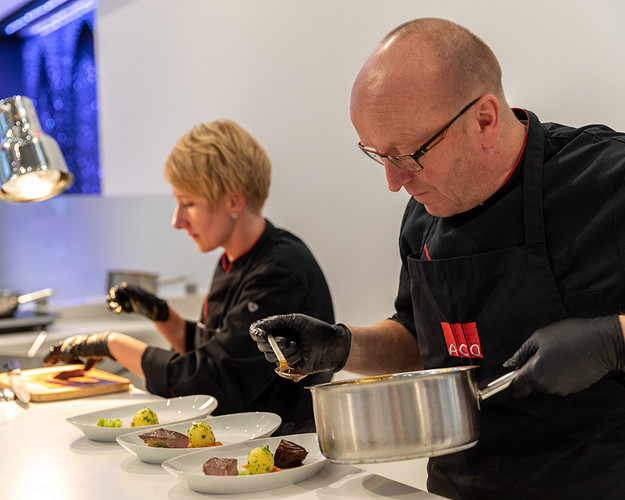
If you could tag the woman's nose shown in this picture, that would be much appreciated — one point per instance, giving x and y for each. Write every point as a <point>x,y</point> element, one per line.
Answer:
<point>395,176</point>
<point>177,221</point>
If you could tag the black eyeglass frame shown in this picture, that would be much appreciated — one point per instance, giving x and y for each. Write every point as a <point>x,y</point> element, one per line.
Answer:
<point>427,146</point>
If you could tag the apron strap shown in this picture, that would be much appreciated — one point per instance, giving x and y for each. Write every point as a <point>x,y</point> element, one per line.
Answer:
<point>532,187</point>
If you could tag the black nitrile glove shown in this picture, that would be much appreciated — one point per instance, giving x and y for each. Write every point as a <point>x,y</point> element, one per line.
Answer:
<point>85,349</point>
<point>308,344</point>
<point>568,356</point>
<point>131,298</point>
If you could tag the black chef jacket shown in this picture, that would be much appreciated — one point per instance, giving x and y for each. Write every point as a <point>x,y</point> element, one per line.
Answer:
<point>279,275</point>
<point>542,446</point>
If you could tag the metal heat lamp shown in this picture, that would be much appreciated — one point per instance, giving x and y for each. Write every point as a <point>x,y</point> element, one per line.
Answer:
<point>32,166</point>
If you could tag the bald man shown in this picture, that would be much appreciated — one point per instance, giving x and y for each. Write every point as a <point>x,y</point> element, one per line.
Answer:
<point>513,257</point>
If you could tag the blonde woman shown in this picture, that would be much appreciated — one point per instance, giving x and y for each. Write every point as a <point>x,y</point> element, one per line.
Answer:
<point>220,178</point>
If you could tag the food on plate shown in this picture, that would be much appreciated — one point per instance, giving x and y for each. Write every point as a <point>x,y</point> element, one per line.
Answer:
<point>165,438</point>
<point>145,416</point>
<point>260,460</point>
<point>289,454</point>
<point>216,466</point>
<point>109,422</point>
<point>66,374</point>
<point>200,435</point>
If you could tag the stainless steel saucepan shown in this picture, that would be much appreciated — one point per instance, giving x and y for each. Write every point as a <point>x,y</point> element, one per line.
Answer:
<point>9,300</point>
<point>406,415</point>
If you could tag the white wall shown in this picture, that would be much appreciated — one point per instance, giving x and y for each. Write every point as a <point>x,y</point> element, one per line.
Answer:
<point>283,69</point>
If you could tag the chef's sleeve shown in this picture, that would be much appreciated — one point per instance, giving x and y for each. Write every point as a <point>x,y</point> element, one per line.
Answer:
<point>228,365</point>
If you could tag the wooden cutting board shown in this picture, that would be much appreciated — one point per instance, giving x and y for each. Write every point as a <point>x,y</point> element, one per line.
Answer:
<point>43,385</point>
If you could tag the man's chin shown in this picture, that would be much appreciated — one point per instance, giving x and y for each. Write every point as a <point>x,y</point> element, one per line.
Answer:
<point>444,211</point>
<point>436,211</point>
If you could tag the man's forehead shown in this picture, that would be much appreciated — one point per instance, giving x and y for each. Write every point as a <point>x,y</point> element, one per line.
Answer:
<point>400,72</point>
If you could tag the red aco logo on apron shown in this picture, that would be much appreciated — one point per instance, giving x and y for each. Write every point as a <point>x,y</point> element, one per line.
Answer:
<point>462,340</point>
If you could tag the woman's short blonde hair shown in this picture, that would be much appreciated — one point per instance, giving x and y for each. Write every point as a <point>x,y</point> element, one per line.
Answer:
<point>219,158</point>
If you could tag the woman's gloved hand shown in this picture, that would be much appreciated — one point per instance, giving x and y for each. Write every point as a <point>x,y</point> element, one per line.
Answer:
<point>308,344</point>
<point>85,349</point>
<point>131,298</point>
<point>568,356</point>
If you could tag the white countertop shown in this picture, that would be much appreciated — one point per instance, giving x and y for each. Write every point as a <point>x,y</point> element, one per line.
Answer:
<point>43,456</point>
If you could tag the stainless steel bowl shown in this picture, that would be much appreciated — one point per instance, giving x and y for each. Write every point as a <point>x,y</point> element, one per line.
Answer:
<point>400,416</point>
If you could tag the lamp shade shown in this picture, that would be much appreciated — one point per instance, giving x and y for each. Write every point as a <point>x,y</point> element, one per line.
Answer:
<point>32,166</point>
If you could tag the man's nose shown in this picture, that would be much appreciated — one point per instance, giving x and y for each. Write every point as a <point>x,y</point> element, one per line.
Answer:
<point>395,176</point>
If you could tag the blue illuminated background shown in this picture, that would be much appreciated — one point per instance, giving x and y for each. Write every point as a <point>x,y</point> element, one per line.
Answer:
<point>70,242</point>
<point>47,54</point>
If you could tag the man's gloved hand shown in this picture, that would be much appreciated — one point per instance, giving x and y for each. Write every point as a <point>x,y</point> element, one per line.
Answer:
<point>131,298</point>
<point>85,349</point>
<point>568,356</point>
<point>308,344</point>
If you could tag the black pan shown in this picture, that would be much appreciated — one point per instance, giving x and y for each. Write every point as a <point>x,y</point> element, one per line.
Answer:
<point>9,300</point>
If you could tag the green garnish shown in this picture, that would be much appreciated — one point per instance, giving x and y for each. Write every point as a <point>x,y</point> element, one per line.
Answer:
<point>107,422</point>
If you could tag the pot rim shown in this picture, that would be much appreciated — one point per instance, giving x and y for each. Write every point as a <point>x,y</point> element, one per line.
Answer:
<point>395,377</point>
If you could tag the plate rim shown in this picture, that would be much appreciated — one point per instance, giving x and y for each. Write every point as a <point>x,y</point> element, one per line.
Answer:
<point>123,439</point>
<point>189,479</point>
<point>111,433</point>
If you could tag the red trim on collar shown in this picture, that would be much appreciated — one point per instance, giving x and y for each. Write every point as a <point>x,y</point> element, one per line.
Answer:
<point>518,160</point>
<point>227,263</point>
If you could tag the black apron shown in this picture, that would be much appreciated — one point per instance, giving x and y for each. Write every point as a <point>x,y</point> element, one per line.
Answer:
<point>477,310</point>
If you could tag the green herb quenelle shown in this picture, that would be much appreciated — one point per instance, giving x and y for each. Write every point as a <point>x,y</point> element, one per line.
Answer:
<point>109,422</point>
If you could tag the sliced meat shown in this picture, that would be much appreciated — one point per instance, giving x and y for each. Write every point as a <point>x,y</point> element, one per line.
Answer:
<point>64,375</point>
<point>165,438</point>
<point>289,454</point>
<point>215,466</point>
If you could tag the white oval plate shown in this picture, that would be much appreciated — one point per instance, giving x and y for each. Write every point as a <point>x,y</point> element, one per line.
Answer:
<point>168,411</point>
<point>228,429</point>
<point>188,468</point>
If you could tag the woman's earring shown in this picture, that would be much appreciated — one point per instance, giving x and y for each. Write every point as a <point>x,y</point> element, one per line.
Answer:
<point>234,215</point>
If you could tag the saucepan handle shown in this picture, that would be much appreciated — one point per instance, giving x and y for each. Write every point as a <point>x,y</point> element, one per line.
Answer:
<point>497,385</point>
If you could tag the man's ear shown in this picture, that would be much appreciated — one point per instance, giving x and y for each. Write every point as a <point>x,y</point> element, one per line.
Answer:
<point>488,120</point>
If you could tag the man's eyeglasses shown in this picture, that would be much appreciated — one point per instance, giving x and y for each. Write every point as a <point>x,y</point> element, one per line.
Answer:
<point>410,162</point>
